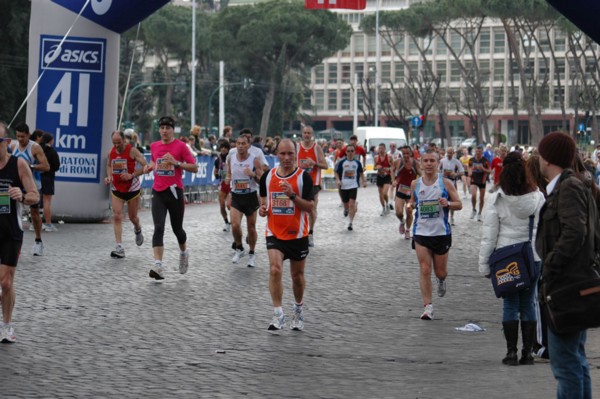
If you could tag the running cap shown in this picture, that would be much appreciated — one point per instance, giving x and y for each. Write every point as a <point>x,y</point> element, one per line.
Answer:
<point>166,120</point>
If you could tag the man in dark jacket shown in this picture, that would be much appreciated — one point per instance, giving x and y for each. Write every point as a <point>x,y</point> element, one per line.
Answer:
<point>565,245</point>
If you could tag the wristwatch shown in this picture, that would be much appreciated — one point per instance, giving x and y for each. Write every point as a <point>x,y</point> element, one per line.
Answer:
<point>178,164</point>
<point>293,196</point>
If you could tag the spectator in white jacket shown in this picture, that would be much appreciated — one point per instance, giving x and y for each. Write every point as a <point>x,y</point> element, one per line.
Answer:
<point>506,222</point>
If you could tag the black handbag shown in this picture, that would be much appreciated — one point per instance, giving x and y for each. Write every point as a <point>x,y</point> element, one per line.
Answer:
<point>512,268</point>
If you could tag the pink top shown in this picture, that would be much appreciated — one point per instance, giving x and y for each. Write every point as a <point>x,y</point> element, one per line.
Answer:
<point>165,175</point>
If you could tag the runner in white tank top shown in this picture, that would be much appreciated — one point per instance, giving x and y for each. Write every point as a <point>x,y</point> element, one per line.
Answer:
<point>433,196</point>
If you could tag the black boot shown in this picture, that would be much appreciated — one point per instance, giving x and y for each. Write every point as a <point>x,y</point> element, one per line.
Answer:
<point>511,333</point>
<point>528,332</point>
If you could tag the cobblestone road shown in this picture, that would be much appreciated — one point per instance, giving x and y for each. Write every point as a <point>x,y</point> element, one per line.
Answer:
<point>91,326</point>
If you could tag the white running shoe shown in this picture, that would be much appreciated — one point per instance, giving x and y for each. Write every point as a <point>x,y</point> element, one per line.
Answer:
<point>49,227</point>
<point>118,253</point>
<point>8,334</point>
<point>452,220</point>
<point>227,227</point>
<point>184,262</point>
<point>311,240</point>
<point>407,234</point>
<point>479,217</point>
<point>251,260</point>
<point>427,313</point>
<point>298,318</point>
<point>38,248</point>
<point>278,322</point>
<point>157,271</point>
<point>473,214</point>
<point>239,254</point>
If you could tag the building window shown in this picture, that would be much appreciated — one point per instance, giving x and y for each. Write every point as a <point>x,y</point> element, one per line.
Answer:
<point>399,72</point>
<point>359,69</point>
<point>385,48</point>
<point>484,70</point>
<point>440,46</point>
<point>454,71</point>
<point>346,78</point>
<point>359,45</point>
<point>499,70</point>
<point>440,68</point>
<point>319,100</point>
<point>543,70</point>
<point>346,99</point>
<point>412,47</point>
<point>498,96</point>
<point>559,68</point>
<point>332,100</point>
<point>413,69</point>
<point>559,40</point>
<point>385,71</point>
<point>371,45</point>
<point>332,76</point>
<point>399,46</point>
<point>307,97</point>
<point>319,74</point>
<point>347,52</point>
<point>484,42</point>
<point>499,41</point>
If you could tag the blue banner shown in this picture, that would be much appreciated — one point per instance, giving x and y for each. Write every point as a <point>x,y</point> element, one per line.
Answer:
<point>65,104</point>
<point>205,175</point>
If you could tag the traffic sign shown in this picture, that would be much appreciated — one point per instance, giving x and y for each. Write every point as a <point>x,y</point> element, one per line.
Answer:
<point>416,121</point>
<point>581,127</point>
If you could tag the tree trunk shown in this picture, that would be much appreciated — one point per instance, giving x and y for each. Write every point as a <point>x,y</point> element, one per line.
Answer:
<point>266,114</point>
<point>446,129</point>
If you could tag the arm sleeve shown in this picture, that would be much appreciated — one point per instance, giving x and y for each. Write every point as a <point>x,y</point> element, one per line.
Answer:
<point>262,186</point>
<point>307,187</point>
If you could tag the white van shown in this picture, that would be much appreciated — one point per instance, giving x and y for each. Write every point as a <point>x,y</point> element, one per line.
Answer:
<point>369,136</point>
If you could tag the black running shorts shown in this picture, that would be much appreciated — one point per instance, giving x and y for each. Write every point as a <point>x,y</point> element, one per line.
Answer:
<point>439,245</point>
<point>347,195</point>
<point>9,251</point>
<point>128,196</point>
<point>383,180</point>
<point>245,203</point>
<point>295,250</point>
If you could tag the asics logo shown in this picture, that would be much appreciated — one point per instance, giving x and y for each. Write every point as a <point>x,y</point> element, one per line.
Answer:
<point>72,54</point>
<point>69,55</point>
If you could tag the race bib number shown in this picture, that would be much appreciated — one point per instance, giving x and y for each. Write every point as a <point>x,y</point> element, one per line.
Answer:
<point>241,186</point>
<point>404,189</point>
<point>119,166</point>
<point>349,174</point>
<point>429,209</point>
<point>303,165</point>
<point>4,203</point>
<point>164,168</point>
<point>282,205</point>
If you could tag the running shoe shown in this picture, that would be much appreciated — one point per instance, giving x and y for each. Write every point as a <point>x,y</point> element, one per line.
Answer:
<point>239,254</point>
<point>118,253</point>
<point>227,227</point>
<point>473,214</point>
<point>31,228</point>
<point>402,228</point>
<point>350,228</point>
<point>139,237</point>
<point>441,286</point>
<point>157,271</point>
<point>49,227</point>
<point>184,262</point>
<point>251,260</point>
<point>427,313</point>
<point>391,207</point>
<point>38,248</point>
<point>479,218</point>
<point>278,322</point>
<point>452,220</point>
<point>346,211</point>
<point>298,318</point>
<point>311,240</point>
<point>8,334</point>
<point>407,234</point>
<point>383,212</point>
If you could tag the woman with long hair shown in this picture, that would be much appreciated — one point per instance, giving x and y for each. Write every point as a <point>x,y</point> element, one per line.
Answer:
<point>506,222</point>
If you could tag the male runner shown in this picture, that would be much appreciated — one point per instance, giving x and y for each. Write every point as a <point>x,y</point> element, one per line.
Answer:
<point>34,155</point>
<point>479,167</point>
<point>408,170</point>
<point>466,179</point>
<point>244,171</point>
<point>170,157</point>
<point>432,196</point>
<point>451,168</point>
<point>349,174</point>
<point>126,187</point>
<point>312,160</point>
<point>15,176</point>
<point>395,153</point>
<point>286,194</point>
<point>497,165</point>
<point>383,165</point>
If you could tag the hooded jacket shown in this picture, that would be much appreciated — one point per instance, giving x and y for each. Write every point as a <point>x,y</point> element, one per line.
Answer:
<point>506,222</point>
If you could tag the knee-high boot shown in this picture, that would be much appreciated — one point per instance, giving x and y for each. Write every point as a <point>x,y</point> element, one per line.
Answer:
<point>511,334</point>
<point>528,331</point>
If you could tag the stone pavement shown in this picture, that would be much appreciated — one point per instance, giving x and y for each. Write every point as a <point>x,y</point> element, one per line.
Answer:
<point>91,326</point>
